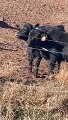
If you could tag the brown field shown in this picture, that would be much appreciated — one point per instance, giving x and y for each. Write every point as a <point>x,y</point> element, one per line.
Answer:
<point>23,97</point>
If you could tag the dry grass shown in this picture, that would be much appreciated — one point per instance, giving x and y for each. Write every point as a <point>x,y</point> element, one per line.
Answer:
<point>33,102</point>
<point>62,76</point>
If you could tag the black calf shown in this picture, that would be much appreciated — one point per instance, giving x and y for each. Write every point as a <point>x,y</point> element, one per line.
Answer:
<point>33,41</point>
<point>37,54</point>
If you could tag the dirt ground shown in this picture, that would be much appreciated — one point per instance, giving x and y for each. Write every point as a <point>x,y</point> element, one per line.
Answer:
<point>13,56</point>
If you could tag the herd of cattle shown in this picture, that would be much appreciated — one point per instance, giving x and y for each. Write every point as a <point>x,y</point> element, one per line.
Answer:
<point>48,42</point>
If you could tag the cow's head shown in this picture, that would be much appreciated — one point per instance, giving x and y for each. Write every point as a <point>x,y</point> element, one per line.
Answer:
<point>25,30</point>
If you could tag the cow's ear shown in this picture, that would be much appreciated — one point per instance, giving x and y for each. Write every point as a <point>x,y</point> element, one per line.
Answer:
<point>37,25</point>
<point>44,37</point>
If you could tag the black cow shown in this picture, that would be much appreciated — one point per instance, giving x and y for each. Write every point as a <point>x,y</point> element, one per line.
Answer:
<point>33,40</point>
<point>38,49</point>
<point>48,49</point>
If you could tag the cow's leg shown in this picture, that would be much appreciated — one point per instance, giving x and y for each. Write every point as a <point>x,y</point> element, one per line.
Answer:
<point>58,66</point>
<point>37,63</point>
<point>30,60</point>
<point>50,67</point>
<point>51,64</point>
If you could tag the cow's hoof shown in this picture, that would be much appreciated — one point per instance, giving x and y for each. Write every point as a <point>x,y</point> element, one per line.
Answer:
<point>29,70</point>
<point>56,72</point>
<point>35,75</point>
<point>50,73</point>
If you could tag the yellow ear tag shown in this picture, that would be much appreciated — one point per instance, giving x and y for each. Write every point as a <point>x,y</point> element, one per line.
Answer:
<point>43,38</point>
